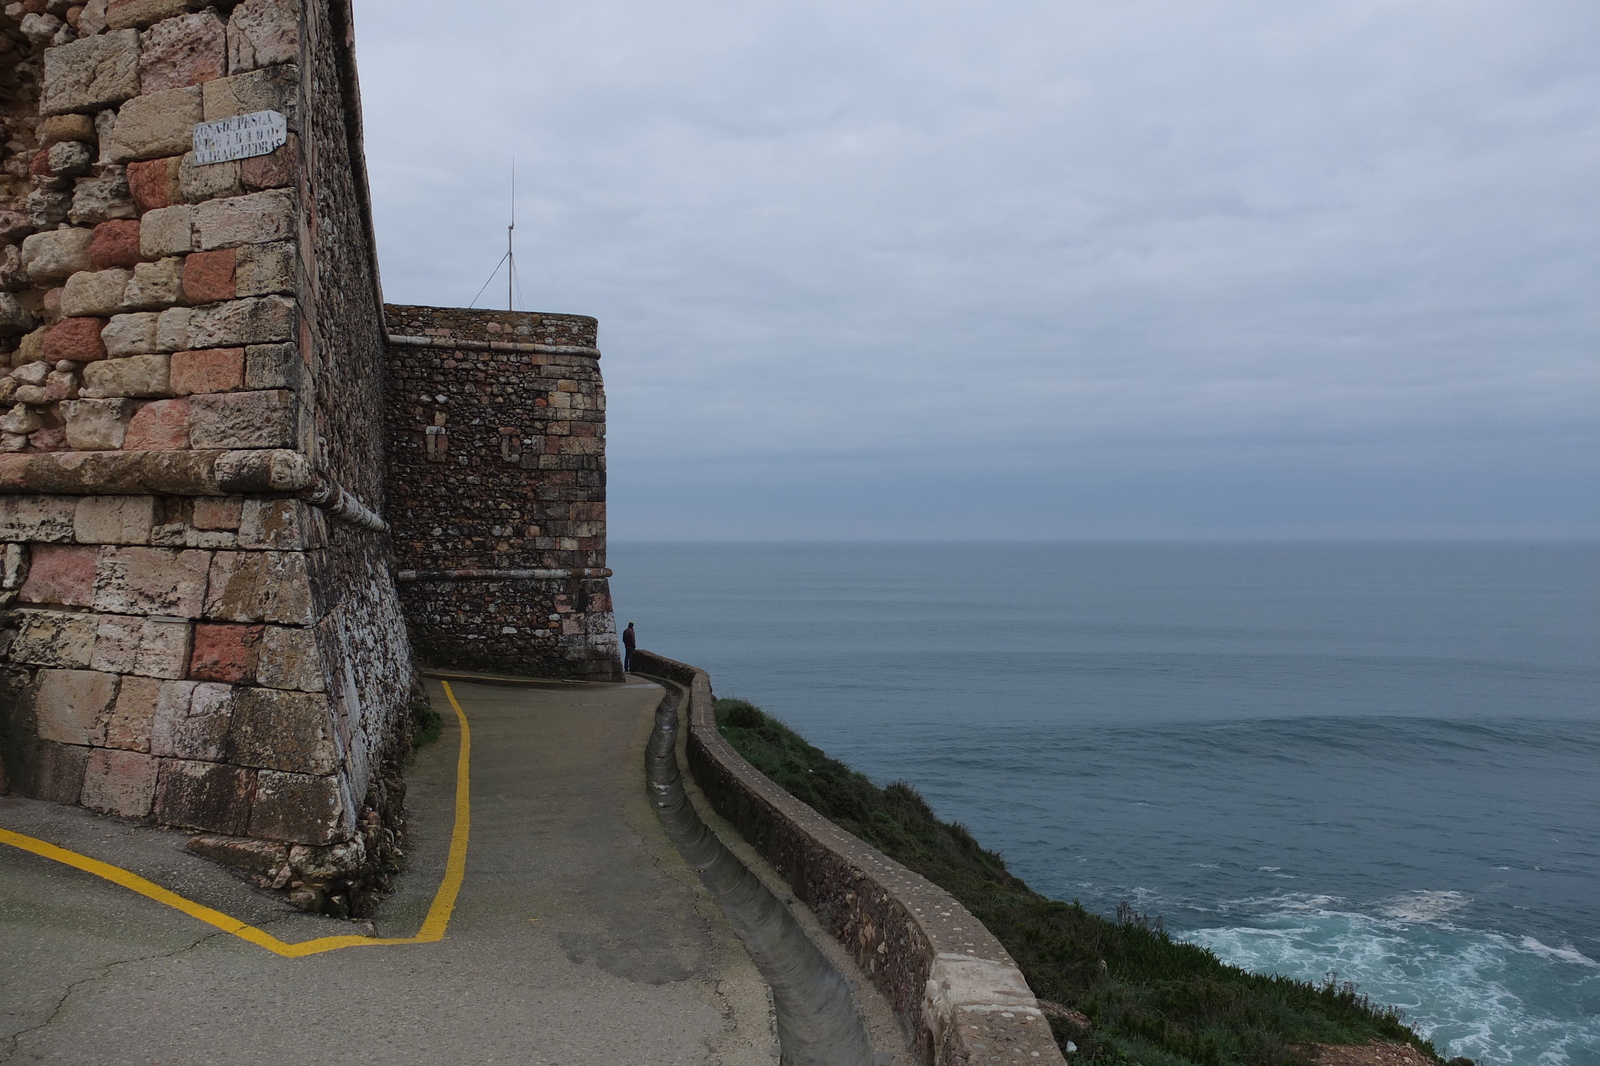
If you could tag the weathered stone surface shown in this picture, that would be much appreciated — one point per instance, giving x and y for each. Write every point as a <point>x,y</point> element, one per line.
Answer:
<point>213,513</point>
<point>274,524</point>
<point>37,518</point>
<point>155,286</point>
<point>255,218</point>
<point>114,244</point>
<point>241,853</point>
<point>121,14</point>
<point>210,371</point>
<point>151,581</point>
<point>72,706</point>
<point>273,366</point>
<point>20,419</point>
<point>54,773</point>
<point>203,795</point>
<point>54,638</point>
<point>133,334</point>
<point>275,170</point>
<point>157,124</point>
<point>172,330</point>
<point>208,276</point>
<point>151,647</point>
<point>46,208</point>
<point>96,425</point>
<point>60,574</point>
<point>193,724</point>
<point>119,782</point>
<point>70,159</point>
<point>185,50</point>
<point>224,652</point>
<point>301,809</point>
<point>14,318</point>
<point>58,128</point>
<point>198,182</point>
<point>159,426</point>
<point>265,269</point>
<point>56,254</point>
<point>273,88</point>
<point>156,183</point>
<point>102,197</point>
<point>129,725</point>
<point>114,519</point>
<point>77,339</point>
<point>289,659</point>
<point>260,587</point>
<point>243,420</point>
<point>259,320</point>
<point>94,292</point>
<point>263,32</point>
<point>167,231</point>
<point>136,375</point>
<point>92,73</point>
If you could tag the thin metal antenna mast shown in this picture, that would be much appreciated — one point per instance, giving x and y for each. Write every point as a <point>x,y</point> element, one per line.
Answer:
<point>511,256</point>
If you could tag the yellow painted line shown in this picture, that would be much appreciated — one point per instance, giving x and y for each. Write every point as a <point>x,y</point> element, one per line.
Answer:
<point>433,926</point>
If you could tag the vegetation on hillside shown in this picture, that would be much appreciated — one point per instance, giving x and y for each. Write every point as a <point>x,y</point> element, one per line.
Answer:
<point>1149,999</point>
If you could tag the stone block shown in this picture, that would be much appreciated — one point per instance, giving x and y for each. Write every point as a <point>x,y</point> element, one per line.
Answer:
<point>53,638</point>
<point>155,286</point>
<point>156,183</point>
<point>119,782</point>
<point>258,320</point>
<point>135,375</point>
<point>167,231</point>
<point>116,643</point>
<point>230,420</point>
<point>54,772</point>
<point>262,33</point>
<point>255,218</point>
<point>274,524</point>
<point>15,319</point>
<point>210,512</point>
<point>132,715</point>
<point>260,587</point>
<point>133,334</point>
<point>151,581</point>
<point>240,854</point>
<point>273,366</point>
<point>210,371</point>
<point>198,182</point>
<point>114,519</point>
<point>277,729</point>
<point>224,652</point>
<point>264,269</point>
<point>192,721</point>
<point>163,648</point>
<point>96,425</point>
<point>172,329</point>
<point>57,254</point>
<point>102,197</point>
<point>57,574</point>
<point>121,14</point>
<point>208,276</point>
<point>277,169</point>
<point>37,518</point>
<point>162,426</point>
<point>203,795</point>
<point>156,124</point>
<point>274,88</point>
<point>91,73</point>
<point>94,292</point>
<point>114,244</point>
<point>301,809</point>
<point>77,339</point>
<point>73,706</point>
<point>289,659</point>
<point>58,128</point>
<point>184,50</point>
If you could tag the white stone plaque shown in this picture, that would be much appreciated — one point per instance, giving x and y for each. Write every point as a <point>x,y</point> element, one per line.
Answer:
<point>240,137</point>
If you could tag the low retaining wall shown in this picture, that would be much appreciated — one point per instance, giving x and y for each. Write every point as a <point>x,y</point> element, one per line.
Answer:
<point>947,977</point>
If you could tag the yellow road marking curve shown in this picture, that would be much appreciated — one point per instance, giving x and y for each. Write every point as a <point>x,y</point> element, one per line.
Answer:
<point>433,926</point>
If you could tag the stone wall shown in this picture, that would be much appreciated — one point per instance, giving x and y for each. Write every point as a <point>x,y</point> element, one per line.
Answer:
<point>955,988</point>
<point>497,491</point>
<point>197,618</point>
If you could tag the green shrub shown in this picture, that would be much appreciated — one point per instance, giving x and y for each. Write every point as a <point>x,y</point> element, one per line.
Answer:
<point>1151,1000</point>
<point>426,725</point>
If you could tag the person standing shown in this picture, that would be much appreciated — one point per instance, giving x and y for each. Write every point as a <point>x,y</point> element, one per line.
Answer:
<point>629,642</point>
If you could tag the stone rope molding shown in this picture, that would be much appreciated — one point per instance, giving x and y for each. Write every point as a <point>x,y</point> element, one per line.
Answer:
<point>953,985</point>
<point>465,345</point>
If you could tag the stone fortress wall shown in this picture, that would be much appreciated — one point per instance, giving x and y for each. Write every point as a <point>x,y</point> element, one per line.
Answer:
<point>200,622</point>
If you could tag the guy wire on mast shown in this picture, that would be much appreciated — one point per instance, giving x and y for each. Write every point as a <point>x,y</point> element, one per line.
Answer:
<point>510,258</point>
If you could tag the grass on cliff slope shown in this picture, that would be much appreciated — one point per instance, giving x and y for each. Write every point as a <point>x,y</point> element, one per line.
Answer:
<point>1151,1000</point>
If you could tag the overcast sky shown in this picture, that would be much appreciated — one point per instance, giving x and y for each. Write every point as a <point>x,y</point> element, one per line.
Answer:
<point>1029,269</point>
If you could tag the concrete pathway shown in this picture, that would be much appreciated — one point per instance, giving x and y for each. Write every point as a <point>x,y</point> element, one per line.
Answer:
<point>579,935</point>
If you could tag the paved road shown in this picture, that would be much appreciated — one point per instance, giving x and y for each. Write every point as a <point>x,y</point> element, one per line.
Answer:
<point>579,935</point>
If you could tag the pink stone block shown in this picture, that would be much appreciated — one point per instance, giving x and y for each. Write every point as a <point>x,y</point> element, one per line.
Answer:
<point>187,50</point>
<point>61,574</point>
<point>154,182</point>
<point>208,276</point>
<point>158,427</point>
<point>211,512</point>
<point>119,782</point>
<point>115,244</point>
<point>224,652</point>
<point>209,371</point>
<point>77,339</point>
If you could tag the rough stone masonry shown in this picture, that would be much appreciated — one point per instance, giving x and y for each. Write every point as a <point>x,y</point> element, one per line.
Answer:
<point>203,616</point>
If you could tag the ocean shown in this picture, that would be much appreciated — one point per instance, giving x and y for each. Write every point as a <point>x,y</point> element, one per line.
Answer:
<point>1378,763</point>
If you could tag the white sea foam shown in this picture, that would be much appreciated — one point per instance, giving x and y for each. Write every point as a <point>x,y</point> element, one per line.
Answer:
<point>1567,954</point>
<point>1423,906</point>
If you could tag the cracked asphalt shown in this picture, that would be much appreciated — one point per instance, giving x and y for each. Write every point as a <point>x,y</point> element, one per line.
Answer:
<point>579,937</point>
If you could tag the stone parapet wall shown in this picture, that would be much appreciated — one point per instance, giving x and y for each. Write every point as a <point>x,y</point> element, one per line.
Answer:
<point>497,490</point>
<point>955,988</point>
<point>198,622</point>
